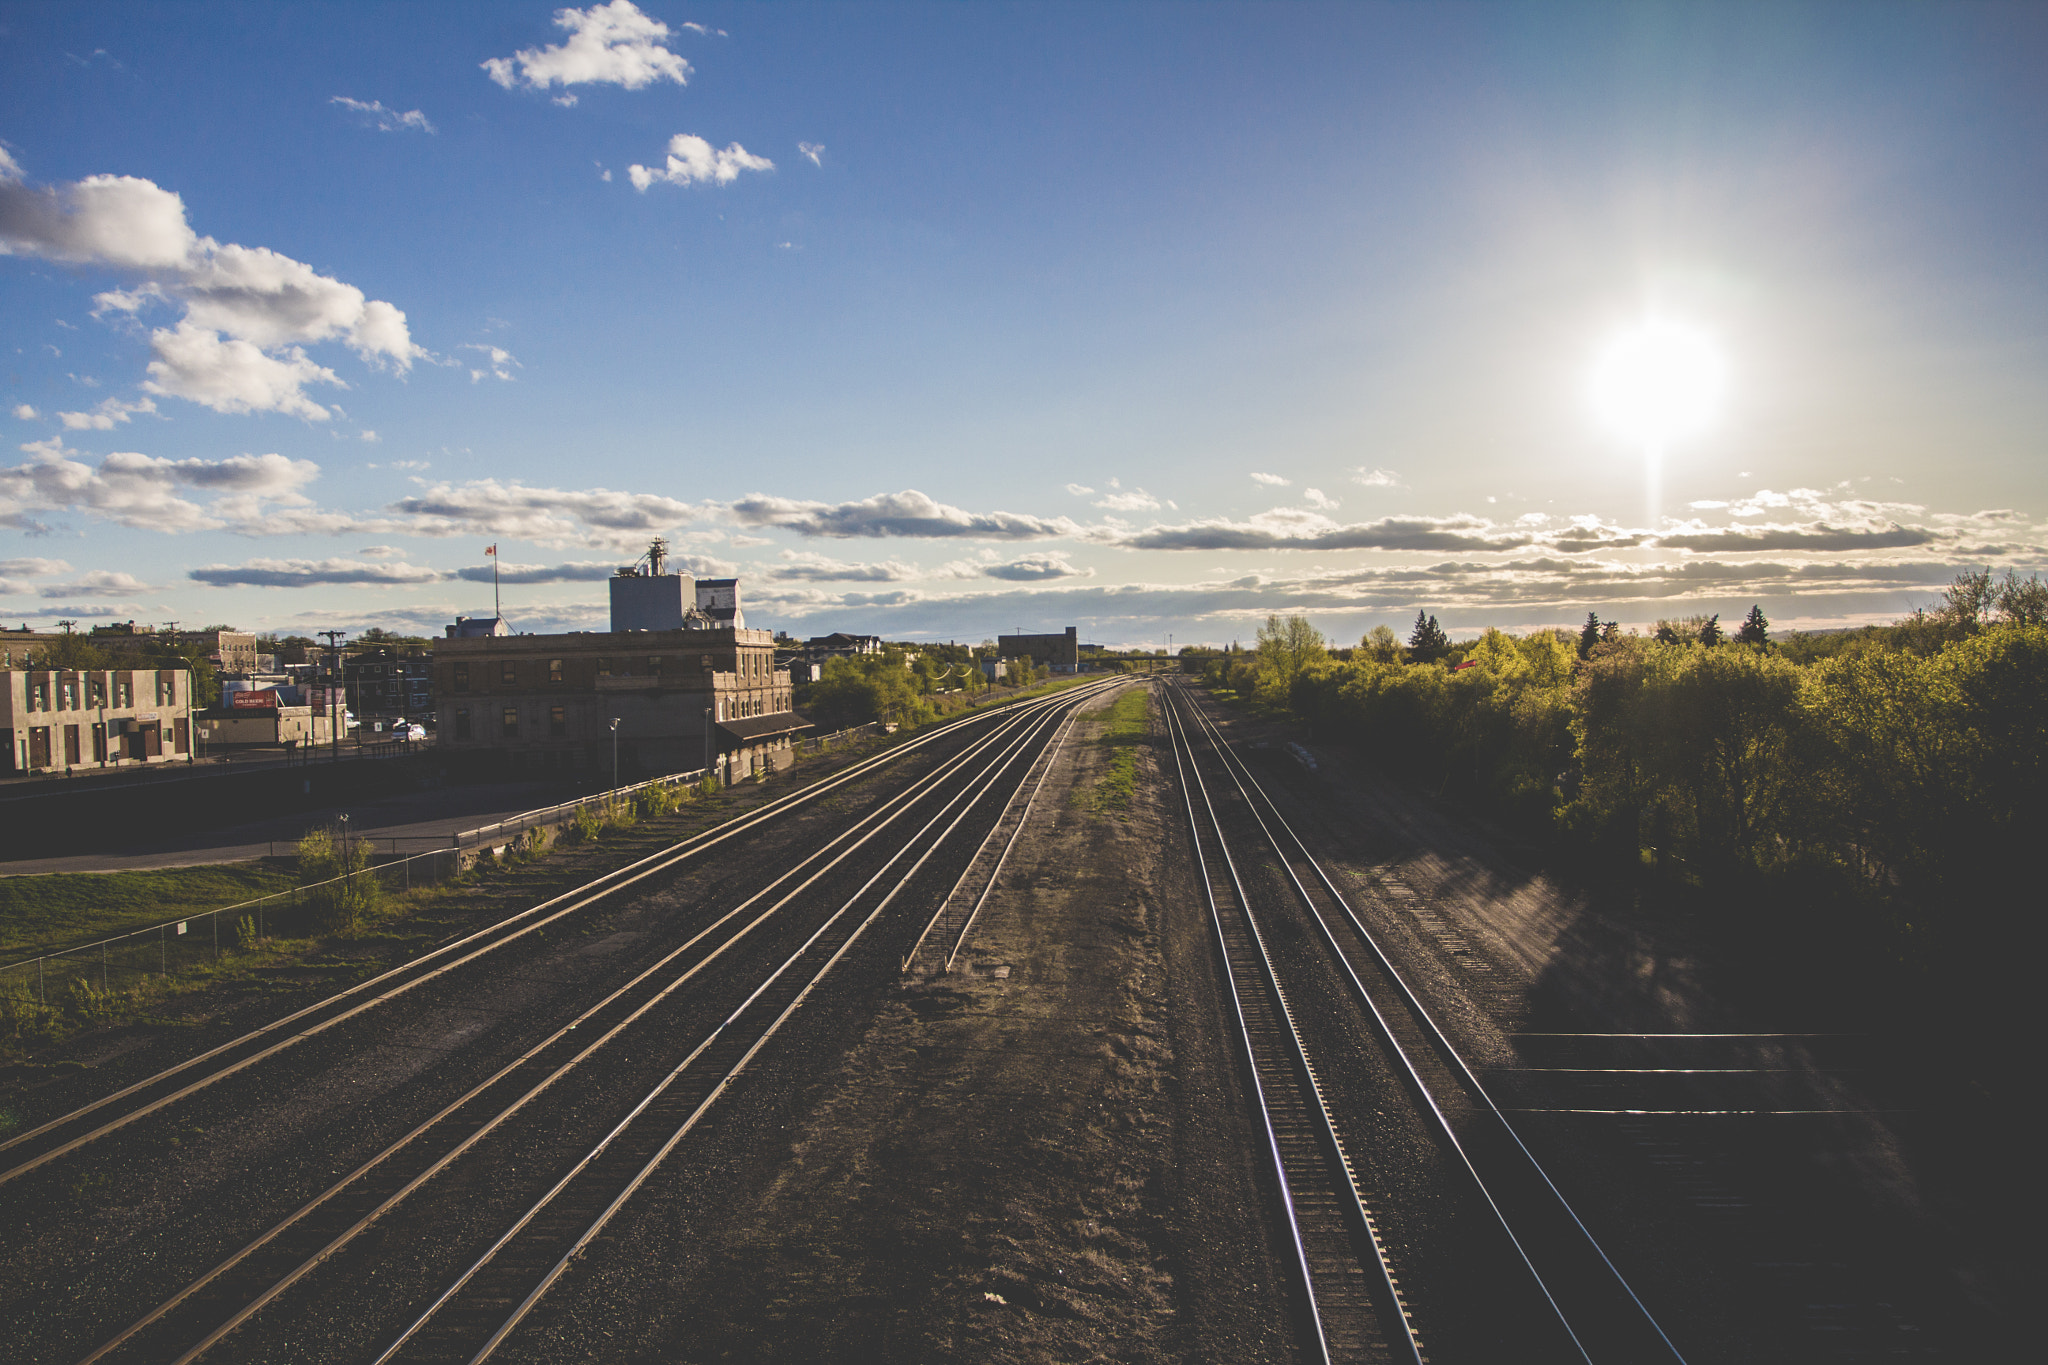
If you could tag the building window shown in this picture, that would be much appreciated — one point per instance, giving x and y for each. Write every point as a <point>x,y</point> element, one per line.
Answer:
<point>508,672</point>
<point>169,688</point>
<point>653,664</point>
<point>122,695</point>
<point>554,670</point>
<point>511,722</point>
<point>462,722</point>
<point>604,668</point>
<point>462,677</point>
<point>70,697</point>
<point>704,662</point>
<point>558,721</point>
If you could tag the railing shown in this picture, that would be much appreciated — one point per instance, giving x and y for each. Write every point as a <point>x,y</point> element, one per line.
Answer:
<point>124,960</point>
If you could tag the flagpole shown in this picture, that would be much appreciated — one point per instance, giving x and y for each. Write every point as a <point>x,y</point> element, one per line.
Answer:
<point>497,607</point>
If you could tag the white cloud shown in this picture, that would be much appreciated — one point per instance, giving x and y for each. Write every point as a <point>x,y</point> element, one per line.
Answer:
<point>25,412</point>
<point>105,417</point>
<point>1080,490</point>
<point>612,44</point>
<point>307,573</point>
<point>1039,568</point>
<point>1132,500</point>
<point>692,161</point>
<point>1271,480</point>
<point>151,494</point>
<point>248,310</point>
<point>909,514</point>
<point>814,152</point>
<point>1316,498</point>
<point>578,571</point>
<point>368,436</point>
<point>706,32</point>
<point>545,516</point>
<point>384,120</point>
<point>1376,478</point>
<point>10,169</point>
<point>228,374</point>
<point>103,581</point>
<point>811,568</point>
<point>498,363</point>
<point>380,552</point>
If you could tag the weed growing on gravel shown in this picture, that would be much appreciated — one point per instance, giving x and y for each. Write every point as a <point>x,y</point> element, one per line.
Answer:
<point>1128,725</point>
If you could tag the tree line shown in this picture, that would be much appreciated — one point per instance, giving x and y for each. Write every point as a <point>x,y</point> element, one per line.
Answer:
<point>1881,780</point>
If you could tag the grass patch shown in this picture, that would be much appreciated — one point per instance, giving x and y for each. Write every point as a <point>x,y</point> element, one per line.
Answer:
<point>43,913</point>
<point>1127,724</point>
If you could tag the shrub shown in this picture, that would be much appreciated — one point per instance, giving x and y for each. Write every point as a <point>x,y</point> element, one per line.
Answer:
<point>350,890</point>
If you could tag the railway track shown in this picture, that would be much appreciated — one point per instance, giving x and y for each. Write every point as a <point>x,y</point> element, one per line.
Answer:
<point>66,1133</point>
<point>771,951</point>
<point>1358,1308</point>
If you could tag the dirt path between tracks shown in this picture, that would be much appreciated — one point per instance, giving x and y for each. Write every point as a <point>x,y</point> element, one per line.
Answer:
<point>1039,1158</point>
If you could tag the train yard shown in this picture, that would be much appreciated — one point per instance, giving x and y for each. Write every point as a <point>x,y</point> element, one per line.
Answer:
<point>922,1060</point>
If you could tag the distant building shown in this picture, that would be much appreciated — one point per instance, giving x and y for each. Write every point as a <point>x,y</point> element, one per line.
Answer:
<point>387,680</point>
<point>478,627</point>
<point>839,645</point>
<point>719,600</point>
<point>230,651</point>
<point>1060,653</point>
<point>61,719</point>
<point>682,697</point>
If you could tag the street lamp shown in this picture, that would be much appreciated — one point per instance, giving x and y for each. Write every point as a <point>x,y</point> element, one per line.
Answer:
<point>707,741</point>
<point>615,756</point>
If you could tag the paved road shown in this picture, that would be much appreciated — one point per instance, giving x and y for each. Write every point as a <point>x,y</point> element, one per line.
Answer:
<point>419,820</point>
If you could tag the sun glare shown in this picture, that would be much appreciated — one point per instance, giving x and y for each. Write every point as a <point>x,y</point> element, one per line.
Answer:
<point>1659,382</point>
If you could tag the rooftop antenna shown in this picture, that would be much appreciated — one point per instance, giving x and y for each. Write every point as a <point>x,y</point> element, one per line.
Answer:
<point>657,557</point>
<point>66,626</point>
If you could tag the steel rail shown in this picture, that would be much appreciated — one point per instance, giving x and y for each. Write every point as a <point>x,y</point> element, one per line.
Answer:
<point>966,800</point>
<point>880,818</point>
<point>1052,757</point>
<point>1308,1086</point>
<point>401,979</point>
<point>1439,1040</point>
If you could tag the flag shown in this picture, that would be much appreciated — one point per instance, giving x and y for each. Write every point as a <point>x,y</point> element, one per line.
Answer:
<point>490,549</point>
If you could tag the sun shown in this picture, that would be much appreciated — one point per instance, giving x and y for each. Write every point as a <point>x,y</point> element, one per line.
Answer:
<point>1659,382</point>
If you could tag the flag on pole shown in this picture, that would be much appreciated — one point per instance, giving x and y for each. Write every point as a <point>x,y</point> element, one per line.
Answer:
<point>490,549</point>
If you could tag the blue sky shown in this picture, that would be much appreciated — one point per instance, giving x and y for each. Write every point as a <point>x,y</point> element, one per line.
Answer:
<point>939,320</point>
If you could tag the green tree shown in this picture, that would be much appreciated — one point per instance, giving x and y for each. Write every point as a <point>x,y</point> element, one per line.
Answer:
<point>868,687</point>
<point>1381,645</point>
<point>1589,634</point>
<point>1755,629</point>
<point>1285,648</point>
<point>1710,631</point>
<point>1427,642</point>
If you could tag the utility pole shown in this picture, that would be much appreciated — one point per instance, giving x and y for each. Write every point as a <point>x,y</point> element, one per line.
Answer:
<point>334,713</point>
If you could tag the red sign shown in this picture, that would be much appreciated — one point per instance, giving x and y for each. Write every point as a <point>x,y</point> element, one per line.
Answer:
<point>266,701</point>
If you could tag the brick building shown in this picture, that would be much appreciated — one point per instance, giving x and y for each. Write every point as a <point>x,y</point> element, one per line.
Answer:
<point>1060,653</point>
<point>384,681</point>
<point>547,701</point>
<point>62,719</point>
